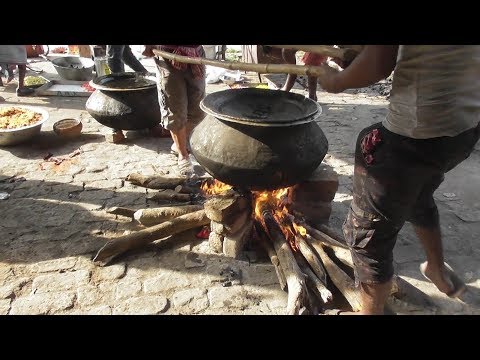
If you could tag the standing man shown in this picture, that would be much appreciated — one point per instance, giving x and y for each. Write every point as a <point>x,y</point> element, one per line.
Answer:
<point>181,87</point>
<point>432,126</point>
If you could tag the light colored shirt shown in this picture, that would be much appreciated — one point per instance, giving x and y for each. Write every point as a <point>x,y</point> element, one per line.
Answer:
<point>435,91</point>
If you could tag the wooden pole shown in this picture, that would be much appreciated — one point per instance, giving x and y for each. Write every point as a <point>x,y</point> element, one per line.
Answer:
<point>315,71</point>
<point>343,54</point>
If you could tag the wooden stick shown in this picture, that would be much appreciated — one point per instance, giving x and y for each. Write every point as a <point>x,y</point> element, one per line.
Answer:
<point>297,291</point>
<point>170,195</point>
<point>140,238</point>
<point>343,54</point>
<point>342,254</point>
<point>312,259</point>
<point>341,280</point>
<point>314,71</point>
<point>154,216</point>
<point>268,247</point>
<point>321,236</point>
<point>319,286</point>
<point>184,189</point>
<point>117,210</point>
<point>154,182</point>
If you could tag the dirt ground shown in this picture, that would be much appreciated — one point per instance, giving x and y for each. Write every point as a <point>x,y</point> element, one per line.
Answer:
<point>54,221</point>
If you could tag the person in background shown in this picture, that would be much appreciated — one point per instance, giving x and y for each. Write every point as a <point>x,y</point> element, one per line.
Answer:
<point>118,55</point>
<point>16,55</point>
<point>432,126</point>
<point>308,59</point>
<point>181,87</point>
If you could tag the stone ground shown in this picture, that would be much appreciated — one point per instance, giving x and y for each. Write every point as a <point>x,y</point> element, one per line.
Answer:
<point>54,222</point>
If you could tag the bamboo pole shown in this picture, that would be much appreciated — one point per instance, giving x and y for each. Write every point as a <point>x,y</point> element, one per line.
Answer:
<point>315,71</point>
<point>343,54</point>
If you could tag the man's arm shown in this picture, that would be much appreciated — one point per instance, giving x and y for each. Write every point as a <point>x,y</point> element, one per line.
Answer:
<point>374,63</point>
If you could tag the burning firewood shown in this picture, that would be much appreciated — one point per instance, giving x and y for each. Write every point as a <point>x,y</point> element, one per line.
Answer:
<point>297,291</point>
<point>155,182</point>
<point>118,246</point>
<point>342,281</point>
<point>268,247</point>
<point>222,207</point>
<point>154,216</point>
<point>312,259</point>
<point>313,281</point>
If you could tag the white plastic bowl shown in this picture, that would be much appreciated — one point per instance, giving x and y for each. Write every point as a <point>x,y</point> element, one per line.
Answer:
<point>16,136</point>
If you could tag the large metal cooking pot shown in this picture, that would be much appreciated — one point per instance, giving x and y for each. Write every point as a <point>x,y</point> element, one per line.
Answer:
<point>124,101</point>
<point>74,68</point>
<point>259,139</point>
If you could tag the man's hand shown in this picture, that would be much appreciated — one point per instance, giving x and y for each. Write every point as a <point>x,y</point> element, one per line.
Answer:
<point>330,81</point>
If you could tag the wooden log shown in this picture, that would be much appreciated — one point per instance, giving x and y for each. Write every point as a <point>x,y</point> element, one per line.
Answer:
<point>312,259</point>
<point>217,227</point>
<point>297,291</point>
<point>315,71</point>
<point>346,54</point>
<point>320,289</point>
<point>117,210</point>
<point>169,195</point>
<point>215,241</point>
<point>340,279</point>
<point>321,236</point>
<point>221,208</point>
<point>154,182</point>
<point>268,247</point>
<point>344,255</point>
<point>184,189</point>
<point>140,238</point>
<point>233,244</point>
<point>154,216</point>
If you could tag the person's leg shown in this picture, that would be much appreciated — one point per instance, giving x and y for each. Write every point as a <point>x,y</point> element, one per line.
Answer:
<point>425,217</point>
<point>383,196</point>
<point>173,104</point>
<point>289,57</point>
<point>312,88</point>
<point>114,58</point>
<point>21,89</point>
<point>132,61</point>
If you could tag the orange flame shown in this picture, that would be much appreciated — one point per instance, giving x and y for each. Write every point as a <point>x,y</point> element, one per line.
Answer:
<point>214,187</point>
<point>299,229</point>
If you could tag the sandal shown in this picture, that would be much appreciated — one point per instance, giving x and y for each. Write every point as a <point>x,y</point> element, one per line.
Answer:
<point>24,91</point>
<point>457,285</point>
<point>185,167</point>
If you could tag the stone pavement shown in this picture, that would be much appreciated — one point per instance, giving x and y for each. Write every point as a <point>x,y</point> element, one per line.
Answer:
<point>54,222</point>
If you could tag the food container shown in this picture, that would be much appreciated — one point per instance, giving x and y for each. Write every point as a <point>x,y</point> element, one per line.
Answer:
<point>68,127</point>
<point>74,68</point>
<point>16,136</point>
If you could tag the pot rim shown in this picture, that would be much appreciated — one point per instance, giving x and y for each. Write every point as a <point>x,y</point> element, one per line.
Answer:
<point>208,106</point>
<point>96,82</point>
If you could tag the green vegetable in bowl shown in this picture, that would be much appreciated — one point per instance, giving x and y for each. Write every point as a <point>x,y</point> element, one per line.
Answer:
<point>34,80</point>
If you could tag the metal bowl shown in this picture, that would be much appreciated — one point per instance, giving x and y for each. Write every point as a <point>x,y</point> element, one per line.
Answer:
<point>20,135</point>
<point>74,68</point>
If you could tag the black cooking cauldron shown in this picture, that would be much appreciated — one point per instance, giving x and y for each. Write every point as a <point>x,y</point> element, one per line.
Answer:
<point>259,139</point>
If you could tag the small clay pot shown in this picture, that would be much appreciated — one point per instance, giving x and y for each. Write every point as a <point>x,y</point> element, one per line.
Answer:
<point>68,127</point>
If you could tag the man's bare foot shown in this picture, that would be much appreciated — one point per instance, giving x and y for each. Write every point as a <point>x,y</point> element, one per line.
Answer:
<point>444,279</point>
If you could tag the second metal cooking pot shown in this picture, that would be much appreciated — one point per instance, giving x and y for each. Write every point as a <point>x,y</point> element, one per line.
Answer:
<point>259,139</point>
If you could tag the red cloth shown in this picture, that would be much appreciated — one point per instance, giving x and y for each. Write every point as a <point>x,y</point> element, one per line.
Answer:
<point>186,50</point>
<point>313,59</point>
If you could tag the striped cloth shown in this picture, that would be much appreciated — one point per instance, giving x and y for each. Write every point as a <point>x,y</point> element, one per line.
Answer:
<point>187,50</point>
